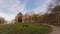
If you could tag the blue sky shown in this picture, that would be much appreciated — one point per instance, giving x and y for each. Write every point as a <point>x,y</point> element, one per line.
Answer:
<point>9,8</point>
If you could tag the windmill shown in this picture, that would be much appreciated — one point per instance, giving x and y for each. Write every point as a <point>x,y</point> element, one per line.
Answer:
<point>19,17</point>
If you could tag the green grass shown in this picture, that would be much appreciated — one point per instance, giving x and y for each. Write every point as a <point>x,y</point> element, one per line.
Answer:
<point>24,29</point>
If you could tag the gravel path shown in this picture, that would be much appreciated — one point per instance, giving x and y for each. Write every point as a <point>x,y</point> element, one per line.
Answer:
<point>55,30</point>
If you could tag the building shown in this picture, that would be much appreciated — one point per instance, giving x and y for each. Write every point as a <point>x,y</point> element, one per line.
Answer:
<point>18,18</point>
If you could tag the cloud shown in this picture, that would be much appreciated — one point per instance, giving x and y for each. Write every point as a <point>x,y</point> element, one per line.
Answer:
<point>9,8</point>
<point>1,2</point>
<point>7,17</point>
<point>42,8</point>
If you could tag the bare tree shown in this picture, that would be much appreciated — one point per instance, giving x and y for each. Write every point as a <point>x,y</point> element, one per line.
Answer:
<point>2,20</point>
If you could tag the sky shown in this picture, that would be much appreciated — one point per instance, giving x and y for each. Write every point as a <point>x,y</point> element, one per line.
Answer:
<point>9,8</point>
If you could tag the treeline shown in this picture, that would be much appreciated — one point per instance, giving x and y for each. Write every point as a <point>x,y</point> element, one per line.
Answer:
<point>50,18</point>
<point>2,20</point>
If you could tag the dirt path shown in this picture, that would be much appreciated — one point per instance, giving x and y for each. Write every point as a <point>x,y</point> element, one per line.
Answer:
<point>55,30</point>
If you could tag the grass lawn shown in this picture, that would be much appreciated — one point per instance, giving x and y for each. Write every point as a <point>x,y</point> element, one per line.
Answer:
<point>24,29</point>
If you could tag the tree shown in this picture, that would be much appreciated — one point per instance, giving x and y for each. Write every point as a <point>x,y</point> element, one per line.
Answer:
<point>54,16</point>
<point>26,18</point>
<point>2,20</point>
<point>35,18</point>
<point>56,11</point>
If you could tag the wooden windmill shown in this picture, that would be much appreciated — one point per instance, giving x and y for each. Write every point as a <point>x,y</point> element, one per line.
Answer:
<point>18,18</point>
